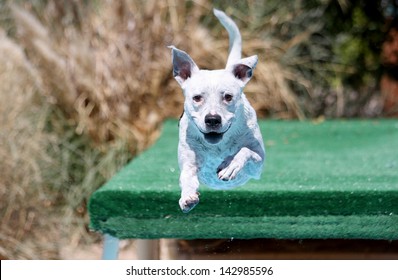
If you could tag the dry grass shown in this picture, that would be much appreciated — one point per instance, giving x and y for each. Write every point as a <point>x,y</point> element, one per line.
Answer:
<point>23,153</point>
<point>83,87</point>
<point>114,68</point>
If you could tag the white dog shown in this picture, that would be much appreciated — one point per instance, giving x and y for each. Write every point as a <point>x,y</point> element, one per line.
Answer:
<point>220,143</point>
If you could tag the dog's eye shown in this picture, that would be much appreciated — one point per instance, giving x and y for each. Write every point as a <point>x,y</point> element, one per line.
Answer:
<point>228,97</point>
<point>197,98</point>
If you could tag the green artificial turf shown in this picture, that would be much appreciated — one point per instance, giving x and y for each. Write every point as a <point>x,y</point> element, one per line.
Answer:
<point>335,179</point>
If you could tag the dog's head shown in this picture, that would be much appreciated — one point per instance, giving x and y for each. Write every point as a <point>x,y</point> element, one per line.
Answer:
<point>212,97</point>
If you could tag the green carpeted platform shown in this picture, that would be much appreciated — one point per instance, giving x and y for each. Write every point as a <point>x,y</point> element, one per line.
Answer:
<point>336,179</point>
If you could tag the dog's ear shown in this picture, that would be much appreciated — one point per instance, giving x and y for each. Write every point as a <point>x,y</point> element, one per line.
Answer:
<point>183,65</point>
<point>243,68</point>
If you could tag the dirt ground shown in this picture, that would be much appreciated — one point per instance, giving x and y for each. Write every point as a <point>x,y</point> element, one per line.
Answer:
<point>94,252</point>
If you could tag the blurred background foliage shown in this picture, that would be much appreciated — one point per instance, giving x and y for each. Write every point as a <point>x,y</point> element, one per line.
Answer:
<point>85,86</point>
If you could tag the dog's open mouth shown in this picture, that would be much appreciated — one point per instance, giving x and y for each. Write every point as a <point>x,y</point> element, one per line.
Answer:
<point>213,137</point>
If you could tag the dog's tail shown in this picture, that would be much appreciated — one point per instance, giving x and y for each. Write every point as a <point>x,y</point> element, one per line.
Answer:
<point>235,39</point>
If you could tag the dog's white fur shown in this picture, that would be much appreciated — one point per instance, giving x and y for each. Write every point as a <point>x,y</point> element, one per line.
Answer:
<point>220,143</point>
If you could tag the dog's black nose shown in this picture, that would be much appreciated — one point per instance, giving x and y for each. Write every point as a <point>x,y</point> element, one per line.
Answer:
<point>213,121</point>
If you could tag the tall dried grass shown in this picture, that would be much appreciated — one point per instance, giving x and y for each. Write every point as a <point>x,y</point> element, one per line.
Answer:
<point>111,74</point>
<point>23,152</point>
<point>85,86</point>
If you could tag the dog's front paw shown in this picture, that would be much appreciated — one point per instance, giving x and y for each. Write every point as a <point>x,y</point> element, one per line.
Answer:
<point>187,203</point>
<point>227,173</point>
<point>230,172</point>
